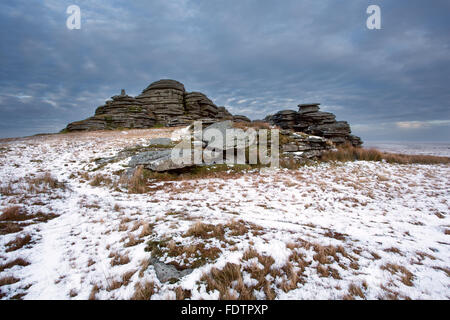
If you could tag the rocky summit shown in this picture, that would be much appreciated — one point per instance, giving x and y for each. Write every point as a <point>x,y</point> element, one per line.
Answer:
<point>309,119</point>
<point>162,103</point>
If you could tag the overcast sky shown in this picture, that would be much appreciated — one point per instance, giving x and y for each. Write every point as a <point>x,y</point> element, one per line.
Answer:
<point>255,57</point>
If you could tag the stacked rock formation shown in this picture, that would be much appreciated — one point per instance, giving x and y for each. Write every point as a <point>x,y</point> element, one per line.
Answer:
<point>122,111</point>
<point>164,103</point>
<point>165,98</point>
<point>300,145</point>
<point>312,121</point>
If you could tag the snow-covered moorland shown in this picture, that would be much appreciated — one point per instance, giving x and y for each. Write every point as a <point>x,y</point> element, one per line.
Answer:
<point>355,230</point>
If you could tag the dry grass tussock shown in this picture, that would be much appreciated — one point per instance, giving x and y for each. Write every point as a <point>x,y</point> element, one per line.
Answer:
<point>356,291</point>
<point>118,259</point>
<point>18,243</point>
<point>123,281</point>
<point>13,219</point>
<point>229,281</point>
<point>137,183</point>
<point>99,180</point>
<point>44,183</point>
<point>16,262</point>
<point>8,280</point>
<point>18,213</point>
<point>144,291</point>
<point>14,213</point>
<point>350,153</point>
<point>233,228</point>
<point>405,275</point>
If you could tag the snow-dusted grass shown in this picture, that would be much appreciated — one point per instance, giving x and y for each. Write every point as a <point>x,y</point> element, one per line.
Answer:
<point>327,231</point>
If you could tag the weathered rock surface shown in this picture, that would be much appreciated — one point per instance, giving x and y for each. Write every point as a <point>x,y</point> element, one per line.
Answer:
<point>164,102</point>
<point>303,146</point>
<point>121,111</point>
<point>231,137</point>
<point>167,272</point>
<point>310,120</point>
<point>157,160</point>
<point>299,146</point>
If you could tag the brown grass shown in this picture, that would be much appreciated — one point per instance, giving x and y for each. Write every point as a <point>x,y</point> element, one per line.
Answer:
<point>93,295</point>
<point>132,241</point>
<point>230,277</point>
<point>14,213</point>
<point>182,294</point>
<point>405,275</point>
<point>393,250</point>
<point>253,124</point>
<point>9,227</point>
<point>17,214</point>
<point>18,243</point>
<point>16,262</point>
<point>73,293</point>
<point>12,220</point>
<point>137,183</point>
<point>99,180</point>
<point>43,183</point>
<point>7,190</point>
<point>355,291</point>
<point>233,228</point>
<point>289,163</point>
<point>146,230</point>
<point>205,231</point>
<point>446,270</point>
<point>222,279</point>
<point>144,291</point>
<point>8,280</point>
<point>124,281</point>
<point>118,259</point>
<point>350,153</point>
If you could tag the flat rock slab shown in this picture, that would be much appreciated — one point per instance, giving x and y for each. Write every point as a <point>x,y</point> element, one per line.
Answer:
<point>157,160</point>
<point>168,272</point>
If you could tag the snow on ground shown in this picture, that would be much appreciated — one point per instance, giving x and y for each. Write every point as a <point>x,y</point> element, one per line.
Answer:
<point>326,231</point>
<point>425,148</point>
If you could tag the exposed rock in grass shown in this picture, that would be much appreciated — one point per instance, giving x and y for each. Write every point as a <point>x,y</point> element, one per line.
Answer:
<point>168,272</point>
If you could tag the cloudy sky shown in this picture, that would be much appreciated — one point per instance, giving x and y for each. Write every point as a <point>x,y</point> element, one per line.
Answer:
<point>253,56</point>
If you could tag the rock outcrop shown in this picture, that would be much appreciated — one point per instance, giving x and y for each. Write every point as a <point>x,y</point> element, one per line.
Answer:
<point>310,120</point>
<point>158,155</point>
<point>162,103</point>
<point>121,111</point>
<point>300,146</point>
